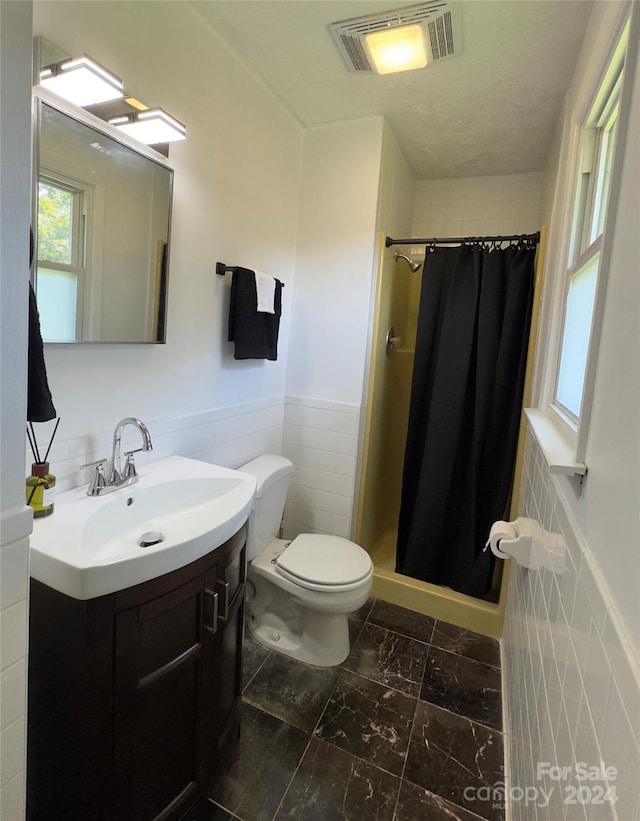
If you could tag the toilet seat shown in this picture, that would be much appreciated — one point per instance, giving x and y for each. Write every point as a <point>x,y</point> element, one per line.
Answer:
<point>321,562</point>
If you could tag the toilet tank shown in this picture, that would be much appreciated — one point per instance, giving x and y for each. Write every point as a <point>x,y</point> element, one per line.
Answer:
<point>272,473</point>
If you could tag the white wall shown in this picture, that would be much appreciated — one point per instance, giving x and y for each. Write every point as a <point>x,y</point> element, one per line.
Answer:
<point>15,518</point>
<point>355,180</point>
<point>572,675</point>
<point>334,260</point>
<point>235,197</point>
<point>608,512</point>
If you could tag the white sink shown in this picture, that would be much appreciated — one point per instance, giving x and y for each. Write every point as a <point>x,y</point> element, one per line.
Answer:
<point>90,546</point>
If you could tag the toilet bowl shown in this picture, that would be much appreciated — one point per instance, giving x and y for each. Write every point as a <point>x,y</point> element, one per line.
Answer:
<point>299,592</point>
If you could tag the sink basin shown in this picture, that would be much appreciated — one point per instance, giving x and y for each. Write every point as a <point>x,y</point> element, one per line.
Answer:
<point>183,508</point>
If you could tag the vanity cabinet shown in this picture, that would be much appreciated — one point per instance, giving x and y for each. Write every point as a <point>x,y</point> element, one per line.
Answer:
<point>134,697</point>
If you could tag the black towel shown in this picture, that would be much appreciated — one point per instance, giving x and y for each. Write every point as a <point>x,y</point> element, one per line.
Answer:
<point>254,333</point>
<point>39,401</point>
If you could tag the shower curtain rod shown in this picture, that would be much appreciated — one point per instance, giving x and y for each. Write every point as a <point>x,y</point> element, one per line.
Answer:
<point>451,240</point>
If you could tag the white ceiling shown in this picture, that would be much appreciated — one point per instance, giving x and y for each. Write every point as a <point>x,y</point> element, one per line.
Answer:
<point>491,110</point>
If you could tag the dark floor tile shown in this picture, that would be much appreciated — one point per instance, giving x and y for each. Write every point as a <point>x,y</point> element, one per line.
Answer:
<point>355,626</point>
<point>333,785</point>
<point>261,766</point>
<point>418,804</point>
<point>400,620</point>
<point>364,611</point>
<point>369,720</point>
<point>208,811</point>
<point>466,643</point>
<point>253,657</point>
<point>464,686</point>
<point>453,757</point>
<point>292,691</point>
<point>389,658</point>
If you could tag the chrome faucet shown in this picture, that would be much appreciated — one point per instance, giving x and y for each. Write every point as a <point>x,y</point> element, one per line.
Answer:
<point>118,475</point>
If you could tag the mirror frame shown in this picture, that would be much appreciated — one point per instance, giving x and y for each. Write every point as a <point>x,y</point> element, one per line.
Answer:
<point>43,95</point>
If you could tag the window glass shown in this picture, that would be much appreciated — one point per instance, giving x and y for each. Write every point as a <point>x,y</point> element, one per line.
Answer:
<point>575,338</point>
<point>55,223</point>
<point>57,300</point>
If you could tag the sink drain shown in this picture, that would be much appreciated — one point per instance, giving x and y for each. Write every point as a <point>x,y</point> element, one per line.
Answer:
<point>150,538</point>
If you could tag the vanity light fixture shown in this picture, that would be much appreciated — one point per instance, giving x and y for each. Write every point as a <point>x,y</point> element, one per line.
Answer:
<point>82,81</point>
<point>152,126</point>
<point>397,49</point>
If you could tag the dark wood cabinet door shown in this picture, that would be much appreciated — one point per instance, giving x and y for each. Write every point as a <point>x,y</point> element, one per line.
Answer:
<point>224,680</point>
<point>160,745</point>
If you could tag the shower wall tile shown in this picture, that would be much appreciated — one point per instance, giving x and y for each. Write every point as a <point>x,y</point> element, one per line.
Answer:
<point>478,206</point>
<point>321,439</point>
<point>228,436</point>
<point>571,680</point>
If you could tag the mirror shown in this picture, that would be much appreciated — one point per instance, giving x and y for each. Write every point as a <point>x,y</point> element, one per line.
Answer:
<point>103,213</point>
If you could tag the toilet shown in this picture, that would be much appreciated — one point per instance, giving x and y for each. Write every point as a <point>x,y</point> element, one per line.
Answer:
<point>299,592</point>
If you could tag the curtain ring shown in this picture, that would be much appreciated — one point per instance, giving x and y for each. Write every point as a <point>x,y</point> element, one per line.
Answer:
<point>432,246</point>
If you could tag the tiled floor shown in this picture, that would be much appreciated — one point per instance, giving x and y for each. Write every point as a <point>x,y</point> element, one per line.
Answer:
<point>406,729</point>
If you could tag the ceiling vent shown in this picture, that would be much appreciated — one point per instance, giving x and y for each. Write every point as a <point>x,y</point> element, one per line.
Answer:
<point>439,19</point>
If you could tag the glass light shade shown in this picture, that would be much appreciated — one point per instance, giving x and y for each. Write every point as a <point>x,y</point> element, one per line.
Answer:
<point>151,127</point>
<point>397,49</point>
<point>82,81</point>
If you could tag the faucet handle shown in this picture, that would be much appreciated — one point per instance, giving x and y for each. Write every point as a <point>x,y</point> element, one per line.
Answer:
<point>96,465</point>
<point>129,469</point>
<point>98,480</point>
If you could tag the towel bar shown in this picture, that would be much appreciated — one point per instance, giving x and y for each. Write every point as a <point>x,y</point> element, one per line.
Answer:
<point>221,269</point>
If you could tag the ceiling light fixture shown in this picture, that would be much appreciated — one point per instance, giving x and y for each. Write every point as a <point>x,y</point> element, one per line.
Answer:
<point>81,81</point>
<point>438,22</point>
<point>151,127</point>
<point>397,49</point>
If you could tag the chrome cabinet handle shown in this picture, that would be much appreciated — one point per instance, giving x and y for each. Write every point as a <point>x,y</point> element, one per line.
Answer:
<point>225,589</point>
<point>212,628</point>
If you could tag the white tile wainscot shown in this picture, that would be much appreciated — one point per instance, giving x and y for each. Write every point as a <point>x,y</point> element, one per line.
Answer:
<point>321,439</point>
<point>228,436</point>
<point>571,676</point>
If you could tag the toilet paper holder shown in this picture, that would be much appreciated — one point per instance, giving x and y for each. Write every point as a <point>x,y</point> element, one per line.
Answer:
<point>528,543</point>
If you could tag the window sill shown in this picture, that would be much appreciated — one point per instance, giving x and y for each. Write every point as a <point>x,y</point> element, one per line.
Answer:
<point>556,447</point>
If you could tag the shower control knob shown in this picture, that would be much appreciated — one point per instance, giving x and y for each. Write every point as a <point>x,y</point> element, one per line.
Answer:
<point>392,340</point>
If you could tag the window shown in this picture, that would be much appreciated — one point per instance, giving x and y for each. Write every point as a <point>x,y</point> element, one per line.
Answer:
<point>597,143</point>
<point>61,257</point>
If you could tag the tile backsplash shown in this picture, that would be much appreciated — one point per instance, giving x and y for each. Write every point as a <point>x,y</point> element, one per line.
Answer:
<point>321,439</point>
<point>228,436</point>
<point>571,679</point>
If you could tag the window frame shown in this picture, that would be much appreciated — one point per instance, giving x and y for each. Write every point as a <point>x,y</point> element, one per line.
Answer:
<point>80,219</point>
<point>618,65</point>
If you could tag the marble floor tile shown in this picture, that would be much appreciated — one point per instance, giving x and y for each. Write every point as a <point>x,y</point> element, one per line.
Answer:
<point>370,721</point>
<point>294,692</point>
<point>466,643</point>
<point>418,804</point>
<point>357,620</point>
<point>400,620</point>
<point>253,657</point>
<point>454,757</point>
<point>208,811</point>
<point>388,658</point>
<point>333,785</point>
<point>464,686</point>
<point>261,766</point>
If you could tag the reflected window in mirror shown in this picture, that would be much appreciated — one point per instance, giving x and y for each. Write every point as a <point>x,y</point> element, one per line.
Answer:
<point>62,218</point>
<point>103,215</point>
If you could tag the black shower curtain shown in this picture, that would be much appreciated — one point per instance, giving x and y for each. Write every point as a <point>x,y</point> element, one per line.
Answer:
<point>466,399</point>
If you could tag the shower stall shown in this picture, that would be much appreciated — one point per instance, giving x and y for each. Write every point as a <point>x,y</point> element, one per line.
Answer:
<point>398,285</point>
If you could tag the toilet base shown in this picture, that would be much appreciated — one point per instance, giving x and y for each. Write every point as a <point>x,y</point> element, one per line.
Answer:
<point>322,639</point>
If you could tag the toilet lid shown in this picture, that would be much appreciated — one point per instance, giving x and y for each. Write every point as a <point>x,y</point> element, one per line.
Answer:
<point>328,560</point>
